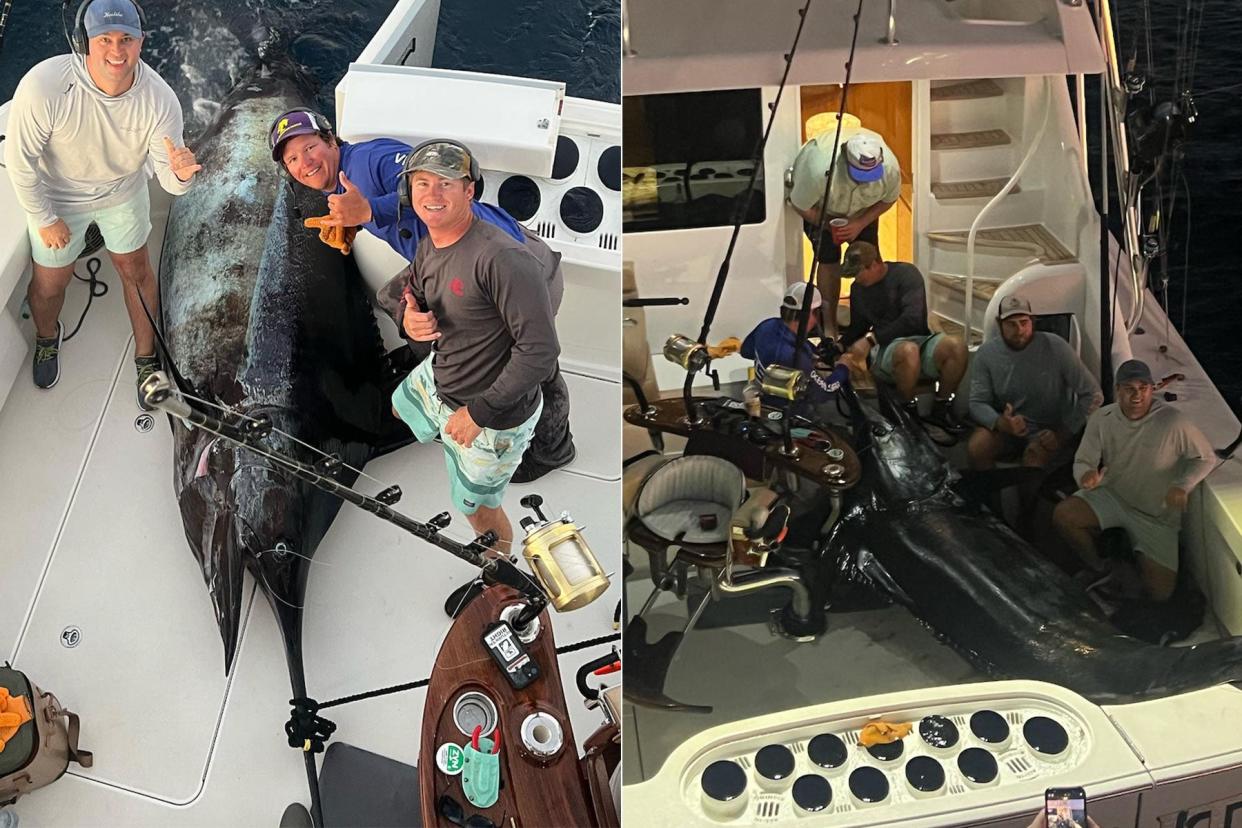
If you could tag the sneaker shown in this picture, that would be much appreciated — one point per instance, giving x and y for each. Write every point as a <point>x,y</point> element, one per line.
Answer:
<point>529,471</point>
<point>47,358</point>
<point>943,415</point>
<point>146,366</point>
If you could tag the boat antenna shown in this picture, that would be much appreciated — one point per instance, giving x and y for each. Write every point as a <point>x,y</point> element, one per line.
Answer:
<point>804,313</point>
<point>694,356</point>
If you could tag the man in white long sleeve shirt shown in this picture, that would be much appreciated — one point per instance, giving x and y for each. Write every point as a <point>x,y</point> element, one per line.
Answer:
<point>1137,463</point>
<point>84,132</point>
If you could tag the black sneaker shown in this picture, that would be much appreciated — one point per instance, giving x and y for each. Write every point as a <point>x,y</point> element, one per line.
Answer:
<point>47,358</point>
<point>943,415</point>
<point>146,366</point>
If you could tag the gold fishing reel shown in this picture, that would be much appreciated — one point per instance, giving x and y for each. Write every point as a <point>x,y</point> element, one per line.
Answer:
<point>786,383</point>
<point>561,559</point>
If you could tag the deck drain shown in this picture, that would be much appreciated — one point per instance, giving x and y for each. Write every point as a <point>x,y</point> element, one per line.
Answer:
<point>144,423</point>
<point>70,637</point>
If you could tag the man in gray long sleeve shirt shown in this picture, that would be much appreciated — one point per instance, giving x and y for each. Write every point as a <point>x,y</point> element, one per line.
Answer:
<point>1137,464</point>
<point>1029,393</point>
<point>82,130</point>
<point>482,298</point>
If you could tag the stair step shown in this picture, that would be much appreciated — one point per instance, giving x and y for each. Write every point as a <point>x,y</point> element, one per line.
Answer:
<point>983,290</point>
<point>983,188</point>
<point>970,90</point>
<point>1023,239</point>
<point>970,140</point>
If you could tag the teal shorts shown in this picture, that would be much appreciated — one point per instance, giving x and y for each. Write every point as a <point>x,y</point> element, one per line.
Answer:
<point>124,226</point>
<point>883,367</point>
<point>478,475</point>
<point>1152,536</point>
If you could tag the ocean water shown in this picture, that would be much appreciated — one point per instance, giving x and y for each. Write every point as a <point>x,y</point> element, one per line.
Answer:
<point>201,48</point>
<point>1203,265</point>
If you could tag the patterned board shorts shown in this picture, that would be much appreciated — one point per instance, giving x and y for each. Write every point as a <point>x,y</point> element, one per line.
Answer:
<point>478,475</point>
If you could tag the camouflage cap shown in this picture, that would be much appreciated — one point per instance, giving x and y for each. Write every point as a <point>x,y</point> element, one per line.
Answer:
<point>859,256</point>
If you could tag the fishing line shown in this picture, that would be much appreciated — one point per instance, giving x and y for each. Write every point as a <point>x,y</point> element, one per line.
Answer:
<point>249,418</point>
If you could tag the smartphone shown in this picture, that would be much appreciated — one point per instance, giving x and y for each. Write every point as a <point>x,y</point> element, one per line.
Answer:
<point>1065,807</point>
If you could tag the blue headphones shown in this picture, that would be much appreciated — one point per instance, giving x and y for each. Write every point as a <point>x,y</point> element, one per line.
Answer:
<point>79,40</point>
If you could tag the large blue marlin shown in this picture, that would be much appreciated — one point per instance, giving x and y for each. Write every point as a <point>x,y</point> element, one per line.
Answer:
<point>988,592</point>
<point>261,317</point>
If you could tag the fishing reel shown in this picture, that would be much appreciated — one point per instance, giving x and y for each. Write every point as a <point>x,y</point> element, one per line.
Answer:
<point>692,356</point>
<point>561,559</point>
<point>785,383</point>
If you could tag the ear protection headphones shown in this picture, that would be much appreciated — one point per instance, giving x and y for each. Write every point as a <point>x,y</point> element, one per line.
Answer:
<point>80,42</point>
<point>403,184</point>
<point>321,123</point>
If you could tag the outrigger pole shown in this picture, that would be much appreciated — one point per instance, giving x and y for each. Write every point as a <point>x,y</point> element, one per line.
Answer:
<point>696,358</point>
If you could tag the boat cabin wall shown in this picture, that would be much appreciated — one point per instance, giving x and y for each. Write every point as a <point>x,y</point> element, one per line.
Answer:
<point>14,276</point>
<point>686,162</point>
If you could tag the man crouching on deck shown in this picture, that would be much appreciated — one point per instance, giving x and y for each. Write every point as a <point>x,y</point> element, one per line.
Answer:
<point>81,131</point>
<point>482,298</point>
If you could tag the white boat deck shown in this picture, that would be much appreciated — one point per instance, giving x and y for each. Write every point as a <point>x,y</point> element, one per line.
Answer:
<point>93,540</point>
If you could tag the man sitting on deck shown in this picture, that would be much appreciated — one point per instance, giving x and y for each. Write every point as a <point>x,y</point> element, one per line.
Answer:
<point>1138,462</point>
<point>1029,393</point>
<point>365,189</point>
<point>888,310</point>
<point>772,343</point>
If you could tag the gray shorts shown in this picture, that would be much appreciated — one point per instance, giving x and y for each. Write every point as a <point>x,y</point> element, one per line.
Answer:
<point>1151,536</point>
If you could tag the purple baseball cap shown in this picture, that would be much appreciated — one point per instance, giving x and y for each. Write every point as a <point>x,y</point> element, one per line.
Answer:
<point>289,125</point>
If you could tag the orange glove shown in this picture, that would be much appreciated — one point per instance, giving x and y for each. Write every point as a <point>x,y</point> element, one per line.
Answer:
<point>342,238</point>
<point>14,712</point>
<point>881,733</point>
<point>728,345</point>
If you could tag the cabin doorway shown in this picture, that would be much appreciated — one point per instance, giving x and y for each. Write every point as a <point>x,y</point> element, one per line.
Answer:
<point>883,108</point>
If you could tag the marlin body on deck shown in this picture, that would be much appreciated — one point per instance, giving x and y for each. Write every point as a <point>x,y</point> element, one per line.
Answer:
<point>260,317</point>
<point>985,590</point>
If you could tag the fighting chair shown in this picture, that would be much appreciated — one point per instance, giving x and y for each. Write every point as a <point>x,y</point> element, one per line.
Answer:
<point>695,518</point>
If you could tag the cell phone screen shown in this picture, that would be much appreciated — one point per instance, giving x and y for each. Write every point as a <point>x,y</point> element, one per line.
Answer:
<point>1066,808</point>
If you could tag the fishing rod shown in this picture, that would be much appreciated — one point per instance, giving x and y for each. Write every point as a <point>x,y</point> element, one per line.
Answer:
<point>158,392</point>
<point>306,729</point>
<point>679,349</point>
<point>804,313</point>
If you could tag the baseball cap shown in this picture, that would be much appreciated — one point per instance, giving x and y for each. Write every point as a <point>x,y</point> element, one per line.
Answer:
<point>795,294</point>
<point>1134,369</point>
<point>1013,305</point>
<point>864,155</point>
<point>860,255</point>
<point>290,125</point>
<point>112,16</point>
<point>441,158</point>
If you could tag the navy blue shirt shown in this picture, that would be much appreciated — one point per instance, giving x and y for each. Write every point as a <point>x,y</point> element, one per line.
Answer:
<point>374,167</point>
<point>772,343</point>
